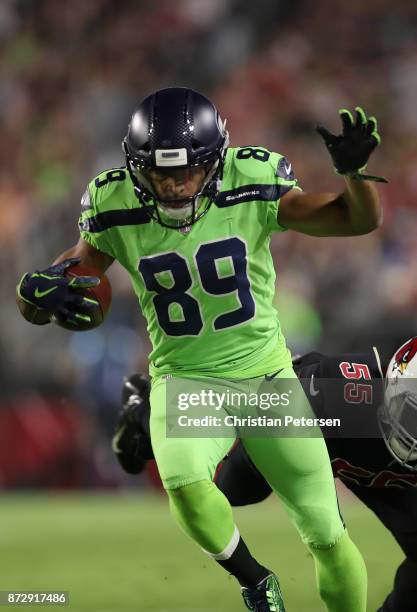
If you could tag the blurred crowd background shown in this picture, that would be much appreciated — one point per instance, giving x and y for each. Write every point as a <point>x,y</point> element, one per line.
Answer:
<point>71,74</point>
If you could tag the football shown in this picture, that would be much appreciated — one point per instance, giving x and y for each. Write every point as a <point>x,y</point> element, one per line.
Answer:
<point>102,293</point>
<point>37,316</point>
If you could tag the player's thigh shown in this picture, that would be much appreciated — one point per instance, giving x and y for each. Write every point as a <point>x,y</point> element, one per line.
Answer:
<point>299,471</point>
<point>397,510</point>
<point>181,460</point>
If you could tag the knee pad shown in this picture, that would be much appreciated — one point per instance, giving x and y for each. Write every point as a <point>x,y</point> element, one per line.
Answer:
<point>204,513</point>
<point>191,498</point>
<point>318,527</point>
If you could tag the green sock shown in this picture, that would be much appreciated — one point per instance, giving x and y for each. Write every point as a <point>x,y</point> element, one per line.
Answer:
<point>204,513</point>
<point>341,576</point>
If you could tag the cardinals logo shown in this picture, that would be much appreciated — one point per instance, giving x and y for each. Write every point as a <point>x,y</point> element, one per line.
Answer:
<point>405,355</point>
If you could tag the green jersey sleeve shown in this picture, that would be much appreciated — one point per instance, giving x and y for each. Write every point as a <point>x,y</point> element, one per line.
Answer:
<point>285,181</point>
<point>101,202</point>
<point>261,175</point>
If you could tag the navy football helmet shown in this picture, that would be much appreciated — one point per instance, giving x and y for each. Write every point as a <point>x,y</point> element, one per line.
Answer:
<point>171,130</point>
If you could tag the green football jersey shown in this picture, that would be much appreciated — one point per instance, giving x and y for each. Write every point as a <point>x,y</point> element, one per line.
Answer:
<point>207,293</point>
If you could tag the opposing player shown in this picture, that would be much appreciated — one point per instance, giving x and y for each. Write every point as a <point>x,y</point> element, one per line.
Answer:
<point>190,219</point>
<point>380,395</point>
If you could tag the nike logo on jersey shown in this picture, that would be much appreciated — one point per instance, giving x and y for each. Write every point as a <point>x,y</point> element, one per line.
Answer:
<point>272,376</point>
<point>313,391</point>
<point>41,294</point>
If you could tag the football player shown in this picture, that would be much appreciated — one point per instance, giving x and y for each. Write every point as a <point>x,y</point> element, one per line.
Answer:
<point>381,471</point>
<point>190,218</point>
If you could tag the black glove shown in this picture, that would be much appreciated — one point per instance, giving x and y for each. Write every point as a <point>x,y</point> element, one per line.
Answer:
<point>131,442</point>
<point>351,150</point>
<point>51,291</point>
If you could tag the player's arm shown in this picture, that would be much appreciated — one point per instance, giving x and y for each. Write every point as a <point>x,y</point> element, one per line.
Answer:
<point>131,441</point>
<point>357,210</point>
<point>88,256</point>
<point>51,293</point>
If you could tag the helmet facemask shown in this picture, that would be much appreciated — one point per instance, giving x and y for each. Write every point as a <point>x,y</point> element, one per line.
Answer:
<point>164,210</point>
